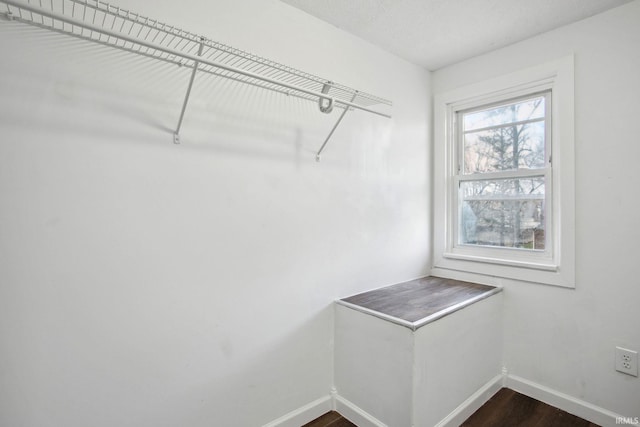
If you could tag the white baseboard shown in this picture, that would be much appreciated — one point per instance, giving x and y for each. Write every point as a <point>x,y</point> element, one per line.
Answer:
<point>473,403</point>
<point>570,404</point>
<point>361,418</point>
<point>303,415</point>
<point>319,407</point>
<point>354,414</point>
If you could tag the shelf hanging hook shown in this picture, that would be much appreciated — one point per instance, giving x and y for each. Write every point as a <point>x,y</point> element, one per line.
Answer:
<point>326,104</point>
<point>333,129</point>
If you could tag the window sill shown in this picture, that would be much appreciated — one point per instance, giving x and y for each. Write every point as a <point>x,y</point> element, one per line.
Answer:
<point>476,269</point>
<point>506,262</point>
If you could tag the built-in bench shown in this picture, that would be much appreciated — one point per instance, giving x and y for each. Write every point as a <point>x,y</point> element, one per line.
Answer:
<point>411,353</point>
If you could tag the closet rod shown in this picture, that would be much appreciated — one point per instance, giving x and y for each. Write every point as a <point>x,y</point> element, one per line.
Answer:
<point>193,58</point>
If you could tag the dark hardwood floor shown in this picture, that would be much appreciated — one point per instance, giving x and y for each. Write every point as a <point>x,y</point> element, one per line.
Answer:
<point>506,408</point>
<point>330,419</point>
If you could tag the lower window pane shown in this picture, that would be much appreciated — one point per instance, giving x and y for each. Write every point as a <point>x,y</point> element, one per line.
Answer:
<point>505,212</point>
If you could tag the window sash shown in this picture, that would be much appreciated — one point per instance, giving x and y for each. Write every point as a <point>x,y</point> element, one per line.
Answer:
<point>515,174</point>
<point>505,125</point>
<point>461,176</point>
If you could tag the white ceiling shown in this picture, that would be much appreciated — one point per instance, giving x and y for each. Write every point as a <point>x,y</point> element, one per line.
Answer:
<point>436,33</point>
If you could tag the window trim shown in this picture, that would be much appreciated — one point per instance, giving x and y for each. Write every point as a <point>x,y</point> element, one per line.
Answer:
<point>557,265</point>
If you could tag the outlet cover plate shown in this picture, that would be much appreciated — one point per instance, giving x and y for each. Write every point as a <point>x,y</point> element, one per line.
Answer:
<point>627,361</point>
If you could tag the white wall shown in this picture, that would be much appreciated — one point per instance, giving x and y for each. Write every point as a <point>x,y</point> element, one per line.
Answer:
<point>560,338</point>
<point>148,284</point>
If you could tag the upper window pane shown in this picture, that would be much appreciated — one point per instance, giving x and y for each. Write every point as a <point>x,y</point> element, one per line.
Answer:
<point>505,138</point>
<point>528,109</point>
<point>512,147</point>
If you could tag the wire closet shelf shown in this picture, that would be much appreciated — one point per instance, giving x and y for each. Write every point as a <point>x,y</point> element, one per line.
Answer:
<point>110,25</point>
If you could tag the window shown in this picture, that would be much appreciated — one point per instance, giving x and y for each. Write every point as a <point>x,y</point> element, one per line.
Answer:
<point>504,177</point>
<point>503,169</point>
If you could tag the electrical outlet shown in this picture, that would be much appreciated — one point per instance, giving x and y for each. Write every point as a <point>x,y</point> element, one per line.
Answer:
<point>627,361</point>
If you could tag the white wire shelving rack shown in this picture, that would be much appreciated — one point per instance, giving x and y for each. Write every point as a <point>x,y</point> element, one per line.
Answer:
<point>110,25</point>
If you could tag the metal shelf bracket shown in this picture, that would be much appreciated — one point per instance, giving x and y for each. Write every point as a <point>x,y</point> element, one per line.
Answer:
<point>333,129</point>
<point>196,64</point>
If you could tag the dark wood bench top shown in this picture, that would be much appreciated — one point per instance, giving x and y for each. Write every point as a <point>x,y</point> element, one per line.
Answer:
<point>415,303</point>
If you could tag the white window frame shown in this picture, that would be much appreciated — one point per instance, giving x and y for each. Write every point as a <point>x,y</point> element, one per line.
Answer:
<point>556,264</point>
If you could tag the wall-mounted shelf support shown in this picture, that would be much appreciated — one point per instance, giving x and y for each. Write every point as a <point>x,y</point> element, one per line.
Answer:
<point>333,129</point>
<point>176,134</point>
<point>102,23</point>
<point>326,104</point>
